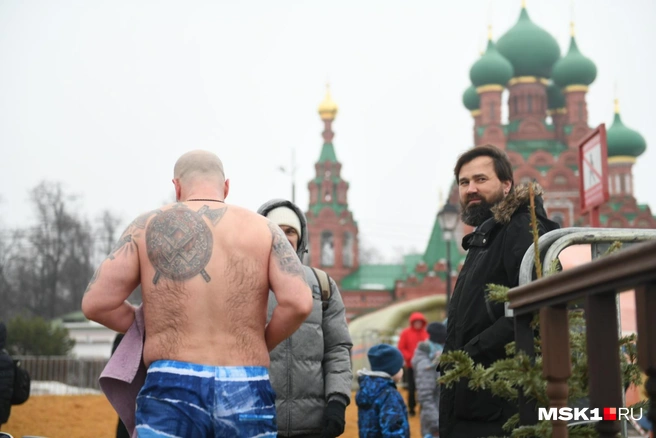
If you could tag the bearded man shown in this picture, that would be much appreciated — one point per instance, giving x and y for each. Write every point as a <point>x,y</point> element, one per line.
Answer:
<point>501,216</point>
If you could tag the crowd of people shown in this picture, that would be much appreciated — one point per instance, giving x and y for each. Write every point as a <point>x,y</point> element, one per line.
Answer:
<point>237,337</point>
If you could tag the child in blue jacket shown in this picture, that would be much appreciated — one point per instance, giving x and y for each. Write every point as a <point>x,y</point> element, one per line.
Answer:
<point>381,410</point>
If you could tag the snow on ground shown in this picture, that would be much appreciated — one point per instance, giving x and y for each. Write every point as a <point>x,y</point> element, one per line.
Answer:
<point>58,388</point>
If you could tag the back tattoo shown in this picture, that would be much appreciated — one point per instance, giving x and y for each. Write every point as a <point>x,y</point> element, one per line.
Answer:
<point>179,242</point>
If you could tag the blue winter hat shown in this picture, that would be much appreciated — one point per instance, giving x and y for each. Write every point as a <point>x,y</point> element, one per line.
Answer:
<point>386,358</point>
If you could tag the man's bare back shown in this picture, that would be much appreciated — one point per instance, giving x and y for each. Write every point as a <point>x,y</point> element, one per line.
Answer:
<point>204,270</point>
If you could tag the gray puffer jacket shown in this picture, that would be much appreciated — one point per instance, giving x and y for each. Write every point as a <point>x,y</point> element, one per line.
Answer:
<point>424,362</point>
<point>313,366</point>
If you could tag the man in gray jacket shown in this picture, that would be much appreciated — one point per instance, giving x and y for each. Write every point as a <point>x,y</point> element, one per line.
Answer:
<point>311,370</point>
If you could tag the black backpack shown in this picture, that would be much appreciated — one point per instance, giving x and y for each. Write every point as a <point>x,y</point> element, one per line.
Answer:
<point>22,384</point>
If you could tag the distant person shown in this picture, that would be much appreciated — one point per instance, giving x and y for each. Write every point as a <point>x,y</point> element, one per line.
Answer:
<point>6,377</point>
<point>205,269</point>
<point>311,370</point>
<point>500,213</point>
<point>425,361</point>
<point>381,410</point>
<point>408,341</point>
<point>121,430</point>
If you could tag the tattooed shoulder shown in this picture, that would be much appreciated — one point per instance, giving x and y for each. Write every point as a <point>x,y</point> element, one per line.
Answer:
<point>126,243</point>
<point>283,251</point>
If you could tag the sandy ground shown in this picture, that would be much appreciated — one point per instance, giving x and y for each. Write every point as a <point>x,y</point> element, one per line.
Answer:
<point>85,416</point>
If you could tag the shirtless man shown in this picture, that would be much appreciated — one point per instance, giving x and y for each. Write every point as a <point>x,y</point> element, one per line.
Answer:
<point>205,270</point>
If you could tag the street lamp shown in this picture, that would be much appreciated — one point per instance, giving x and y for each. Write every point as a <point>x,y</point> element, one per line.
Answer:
<point>448,218</point>
<point>292,173</point>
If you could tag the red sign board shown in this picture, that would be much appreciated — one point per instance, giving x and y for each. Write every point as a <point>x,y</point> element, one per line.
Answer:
<point>593,170</point>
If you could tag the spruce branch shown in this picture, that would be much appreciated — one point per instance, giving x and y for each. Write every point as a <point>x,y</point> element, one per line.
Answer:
<point>497,293</point>
<point>534,230</point>
<point>614,247</point>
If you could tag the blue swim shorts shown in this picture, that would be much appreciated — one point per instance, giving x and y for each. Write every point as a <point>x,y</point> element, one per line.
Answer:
<point>183,400</point>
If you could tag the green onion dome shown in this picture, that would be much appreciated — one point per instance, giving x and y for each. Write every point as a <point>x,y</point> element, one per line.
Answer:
<point>574,68</point>
<point>531,50</point>
<point>491,68</point>
<point>623,141</point>
<point>471,99</point>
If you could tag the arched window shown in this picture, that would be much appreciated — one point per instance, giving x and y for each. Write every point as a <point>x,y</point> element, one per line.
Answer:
<point>347,250</point>
<point>327,249</point>
<point>627,184</point>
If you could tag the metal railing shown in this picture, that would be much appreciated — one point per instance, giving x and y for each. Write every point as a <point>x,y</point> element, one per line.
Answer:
<point>62,375</point>
<point>598,283</point>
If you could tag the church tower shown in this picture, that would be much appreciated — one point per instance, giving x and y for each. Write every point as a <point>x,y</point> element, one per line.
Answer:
<point>332,231</point>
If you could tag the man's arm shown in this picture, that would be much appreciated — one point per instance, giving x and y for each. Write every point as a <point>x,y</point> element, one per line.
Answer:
<point>287,282</point>
<point>117,276</point>
<point>337,347</point>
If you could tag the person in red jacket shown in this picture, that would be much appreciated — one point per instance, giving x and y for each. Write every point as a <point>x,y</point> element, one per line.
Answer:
<point>408,341</point>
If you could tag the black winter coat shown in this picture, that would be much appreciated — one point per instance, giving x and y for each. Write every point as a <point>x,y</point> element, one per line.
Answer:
<point>495,252</point>
<point>6,377</point>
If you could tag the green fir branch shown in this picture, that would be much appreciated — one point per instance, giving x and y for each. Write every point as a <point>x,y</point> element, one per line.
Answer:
<point>534,230</point>
<point>497,293</point>
<point>614,247</point>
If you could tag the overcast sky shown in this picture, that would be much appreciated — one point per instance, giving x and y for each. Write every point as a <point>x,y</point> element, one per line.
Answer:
<point>105,95</point>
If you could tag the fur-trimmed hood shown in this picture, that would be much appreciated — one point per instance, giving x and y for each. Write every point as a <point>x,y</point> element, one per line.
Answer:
<point>518,197</point>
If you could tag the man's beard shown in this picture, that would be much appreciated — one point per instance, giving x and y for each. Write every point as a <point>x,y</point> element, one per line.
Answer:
<point>476,214</point>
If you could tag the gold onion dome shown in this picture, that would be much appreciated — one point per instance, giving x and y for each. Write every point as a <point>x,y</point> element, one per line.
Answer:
<point>327,108</point>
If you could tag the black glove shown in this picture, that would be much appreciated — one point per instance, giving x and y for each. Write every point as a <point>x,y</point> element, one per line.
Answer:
<point>333,420</point>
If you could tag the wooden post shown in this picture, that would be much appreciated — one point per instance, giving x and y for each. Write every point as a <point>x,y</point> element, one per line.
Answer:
<point>604,379</point>
<point>556,365</point>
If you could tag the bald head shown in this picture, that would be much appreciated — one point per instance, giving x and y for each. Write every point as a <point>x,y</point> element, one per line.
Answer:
<point>199,174</point>
<point>198,165</point>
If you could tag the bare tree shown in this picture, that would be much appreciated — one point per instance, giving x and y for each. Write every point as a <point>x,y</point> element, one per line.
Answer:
<point>57,256</point>
<point>45,268</point>
<point>109,231</point>
<point>9,241</point>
